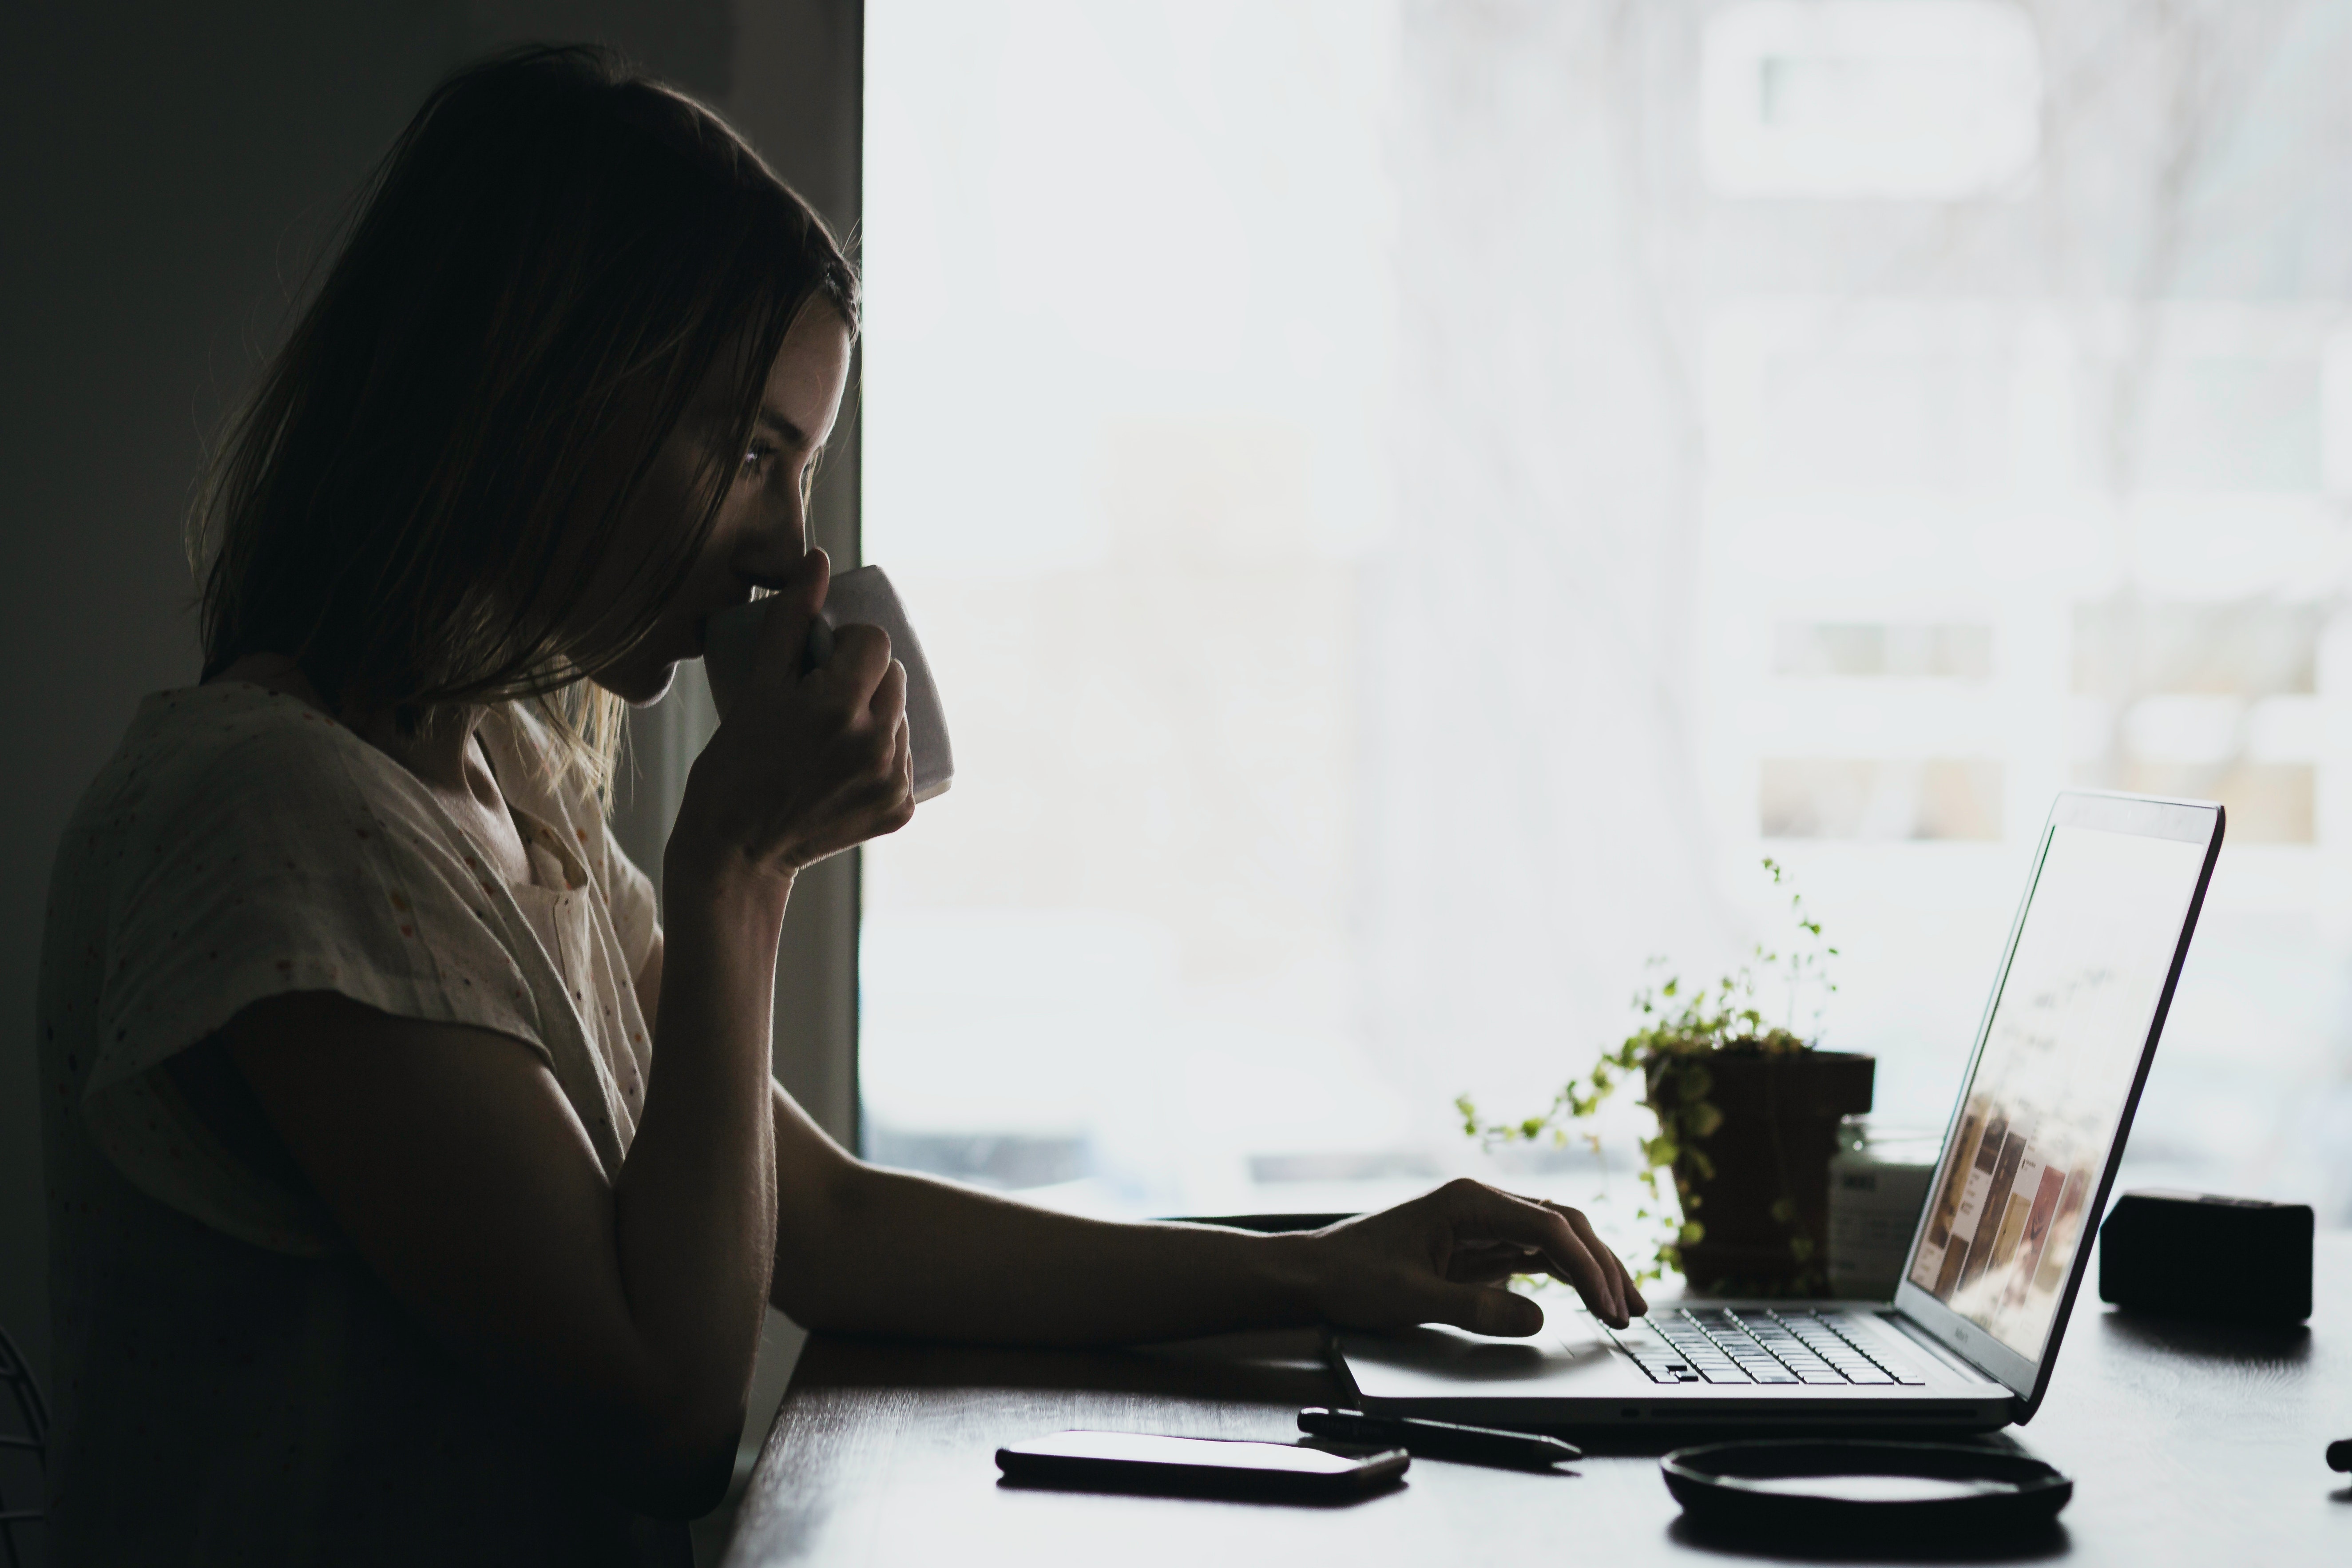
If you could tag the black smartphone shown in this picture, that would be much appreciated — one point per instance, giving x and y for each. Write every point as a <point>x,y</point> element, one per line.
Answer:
<point>1196,1466</point>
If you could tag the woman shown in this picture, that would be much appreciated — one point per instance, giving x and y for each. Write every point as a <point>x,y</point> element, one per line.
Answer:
<point>417,1195</point>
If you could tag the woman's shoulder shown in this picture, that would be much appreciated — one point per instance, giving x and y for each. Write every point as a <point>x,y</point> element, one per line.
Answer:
<point>230,749</point>
<point>225,716</point>
<point>209,782</point>
<point>240,844</point>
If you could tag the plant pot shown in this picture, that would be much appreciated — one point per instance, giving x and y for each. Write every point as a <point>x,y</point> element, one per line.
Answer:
<point>1763,1208</point>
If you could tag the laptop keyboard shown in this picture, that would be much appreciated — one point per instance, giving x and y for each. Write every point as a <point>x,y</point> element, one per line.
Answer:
<point>1720,1344</point>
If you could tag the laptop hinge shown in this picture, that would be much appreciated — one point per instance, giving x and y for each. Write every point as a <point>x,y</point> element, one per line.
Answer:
<point>1953,1360</point>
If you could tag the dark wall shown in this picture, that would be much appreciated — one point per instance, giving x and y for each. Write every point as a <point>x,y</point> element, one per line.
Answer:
<point>167,175</point>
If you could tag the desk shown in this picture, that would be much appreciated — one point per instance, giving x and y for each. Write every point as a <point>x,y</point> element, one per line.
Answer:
<point>2188,1445</point>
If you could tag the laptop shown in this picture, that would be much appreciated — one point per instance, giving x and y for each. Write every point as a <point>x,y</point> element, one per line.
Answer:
<point>1969,1342</point>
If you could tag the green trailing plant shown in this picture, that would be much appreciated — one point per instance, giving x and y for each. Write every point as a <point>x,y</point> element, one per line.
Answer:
<point>1680,1028</point>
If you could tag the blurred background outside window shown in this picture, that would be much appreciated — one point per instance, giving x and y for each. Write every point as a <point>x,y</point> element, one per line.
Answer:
<point>1409,502</point>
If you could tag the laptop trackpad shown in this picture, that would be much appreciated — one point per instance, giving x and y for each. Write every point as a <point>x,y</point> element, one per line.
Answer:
<point>1574,1359</point>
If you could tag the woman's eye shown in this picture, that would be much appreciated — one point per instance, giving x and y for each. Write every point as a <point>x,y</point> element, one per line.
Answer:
<point>756,459</point>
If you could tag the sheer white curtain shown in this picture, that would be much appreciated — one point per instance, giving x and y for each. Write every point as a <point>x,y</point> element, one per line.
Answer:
<point>1410,502</point>
<point>1538,825</point>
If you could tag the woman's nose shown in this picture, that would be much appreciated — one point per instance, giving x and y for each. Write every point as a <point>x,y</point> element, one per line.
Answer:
<point>771,548</point>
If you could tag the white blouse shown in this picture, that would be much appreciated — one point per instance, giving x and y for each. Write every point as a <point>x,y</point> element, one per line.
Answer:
<point>233,1385</point>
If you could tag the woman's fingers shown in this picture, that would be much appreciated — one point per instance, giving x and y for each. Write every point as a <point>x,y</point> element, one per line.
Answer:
<point>1481,1212</point>
<point>1628,1292</point>
<point>816,760</point>
<point>887,706</point>
<point>1487,1262</point>
<point>871,688</point>
<point>1630,1297</point>
<point>1481,1264</point>
<point>1444,1258</point>
<point>1635,1303</point>
<point>783,632</point>
<point>861,661</point>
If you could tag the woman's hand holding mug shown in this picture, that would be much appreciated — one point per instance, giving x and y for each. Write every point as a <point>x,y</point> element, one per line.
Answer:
<point>807,761</point>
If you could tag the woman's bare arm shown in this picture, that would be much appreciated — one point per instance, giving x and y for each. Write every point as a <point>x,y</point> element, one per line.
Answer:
<point>453,1162</point>
<point>866,1250</point>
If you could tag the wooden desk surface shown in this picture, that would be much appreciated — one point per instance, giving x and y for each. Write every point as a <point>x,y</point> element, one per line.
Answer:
<point>2187,1444</point>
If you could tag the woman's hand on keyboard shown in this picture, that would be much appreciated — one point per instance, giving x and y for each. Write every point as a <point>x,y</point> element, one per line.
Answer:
<point>1445,1256</point>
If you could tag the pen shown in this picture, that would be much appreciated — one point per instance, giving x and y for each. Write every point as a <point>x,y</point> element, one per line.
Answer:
<point>1438,1439</point>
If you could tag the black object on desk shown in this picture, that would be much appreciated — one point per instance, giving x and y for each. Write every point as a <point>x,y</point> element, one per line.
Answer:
<point>2194,1255</point>
<point>1439,1439</point>
<point>1917,1491</point>
<point>1197,1467</point>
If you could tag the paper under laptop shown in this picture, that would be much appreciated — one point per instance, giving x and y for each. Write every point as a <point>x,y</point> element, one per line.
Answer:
<point>2061,1051</point>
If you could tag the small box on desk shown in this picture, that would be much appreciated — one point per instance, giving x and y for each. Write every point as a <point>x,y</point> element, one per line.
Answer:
<point>2193,1255</point>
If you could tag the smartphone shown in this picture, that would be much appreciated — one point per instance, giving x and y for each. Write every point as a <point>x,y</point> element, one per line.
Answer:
<point>1197,1467</point>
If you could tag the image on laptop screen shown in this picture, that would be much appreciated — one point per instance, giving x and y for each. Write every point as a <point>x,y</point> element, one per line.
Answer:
<point>2060,1055</point>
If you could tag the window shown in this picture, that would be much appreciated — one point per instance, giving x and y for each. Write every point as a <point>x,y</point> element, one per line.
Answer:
<point>1407,504</point>
<point>1935,98</point>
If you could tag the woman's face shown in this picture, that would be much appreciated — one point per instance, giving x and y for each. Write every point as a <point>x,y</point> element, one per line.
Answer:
<point>762,532</point>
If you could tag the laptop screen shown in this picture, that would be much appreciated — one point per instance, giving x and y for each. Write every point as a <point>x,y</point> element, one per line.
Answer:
<point>2061,1055</point>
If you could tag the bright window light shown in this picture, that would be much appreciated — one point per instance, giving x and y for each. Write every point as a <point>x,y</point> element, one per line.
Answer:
<point>1926,99</point>
<point>1401,531</point>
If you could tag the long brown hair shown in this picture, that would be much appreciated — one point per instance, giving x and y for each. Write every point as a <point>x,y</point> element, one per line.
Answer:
<point>551,261</point>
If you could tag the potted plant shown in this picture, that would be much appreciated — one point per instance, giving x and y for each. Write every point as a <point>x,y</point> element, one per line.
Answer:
<point>1746,1113</point>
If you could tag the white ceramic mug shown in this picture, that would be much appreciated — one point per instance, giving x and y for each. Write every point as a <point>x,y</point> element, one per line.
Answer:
<point>859,597</point>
